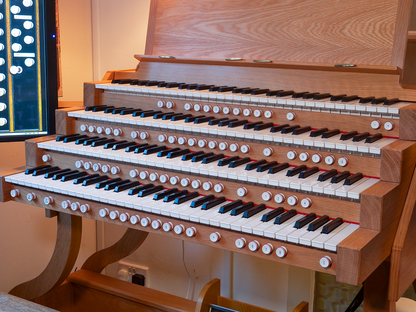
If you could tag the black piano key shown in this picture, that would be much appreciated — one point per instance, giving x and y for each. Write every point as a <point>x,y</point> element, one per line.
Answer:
<point>189,156</point>
<point>132,148</point>
<point>350,98</point>
<point>212,203</point>
<point>284,93</point>
<point>308,172</point>
<point>200,157</point>
<point>89,108</point>
<point>161,115</point>
<point>63,137</point>
<point>149,113</point>
<point>316,224</point>
<point>43,171</point>
<point>193,118</point>
<point>153,83</point>
<point>391,101</point>
<point>115,81</point>
<point>102,184</point>
<point>201,201</point>
<point>81,141</point>
<point>101,142</point>
<point>120,109</point>
<point>240,209</point>
<point>354,178</point>
<point>266,166</point>
<point>167,152</point>
<point>337,97</point>
<point>203,87</point>
<point>305,220</point>
<point>210,159</point>
<point>112,144</point>
<point>74,176</point>
<point>92,140</point>
<point>226,89</point>
<point>252,125</point>
<point>321,96</point>
<point>178,153</point>
<point>172,197</point>
<point>329,227</point>
<point>125,81</point>
<point>59,176</point>
<point>110,110</point>
<point>227,161</point>
<point>224,123</point>
<point>253,211</point>
<point>230,206</point>
<point>290,129</point>
<point>134,82</point>
<point>216,121</point>
<point>273,92</point>
<point>340,176</point>
<point>123,187</point>
<point>294,171</point>
<point>150,191</point>
<point>124,145</point>
<point>75,138</point>
<point>285,216</point>
<point>366,99</point>
<point>93,180</point>
<point>237,123</point>
<point>31,170</point>
<point>296,95</point>
<point>140,188</point>
<point>239,162</point>
<point>255,164</point>
<point>52,173</point>
<point>348,135</point>
<point>330,133</point>
<point>216,88</point>
<point>113,185</point>
<point>298,131</point>
<point>249,91</point>
<point>173,84</point>
<point>360,137</point>
<point>259,91</point>
<point>184,198</point>
<point>264,126</point>
<point>279,128</point>
<point>239,90</point>
<point>180,117</point>
<point>80,180</point>
<point>141,149</point>
<point>191,86</point>
<point>378,100</point>
<point>278,168</point>
<point>153,150</point>
<point>374,138</point>
<point>327,175</point>
<point>203,119</point>
<point>101,108</point>
<point>318,132</point>
<point>139,113</point>
<point>164,193</point>
<point>272,214</point>
<point>310,95</point>
<point>172,117</point>
<point>142,82</point>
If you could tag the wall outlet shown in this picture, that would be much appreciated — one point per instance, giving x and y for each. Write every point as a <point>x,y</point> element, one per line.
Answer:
<point>127,269</point>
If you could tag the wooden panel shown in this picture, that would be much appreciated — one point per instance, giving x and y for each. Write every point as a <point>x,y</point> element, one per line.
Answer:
<point>33,154</point>
<point>401,32</point>
<point>208,295</point>
<point>60,299</point>
<point>362,84</point>
<point>89,285</point>
<point>151,26</point>
<point>6,187</point>
<point>240,306</point>
<point>91,94</point>
<point>407,119</point>
<point>397,159</point>
<point>321,205</point>
<point>345,32</point>
<point>409,73</point>
<point>298,255</point>
<point>63,125</point>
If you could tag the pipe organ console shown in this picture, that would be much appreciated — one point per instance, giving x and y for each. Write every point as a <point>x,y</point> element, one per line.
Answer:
<point>299,153</point>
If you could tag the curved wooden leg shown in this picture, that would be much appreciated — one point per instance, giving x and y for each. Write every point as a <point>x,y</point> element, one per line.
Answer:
<point>68,242</point>
<point>130,241</point>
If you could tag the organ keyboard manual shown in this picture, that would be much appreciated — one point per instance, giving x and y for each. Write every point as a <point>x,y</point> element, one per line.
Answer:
<point>279,130</point>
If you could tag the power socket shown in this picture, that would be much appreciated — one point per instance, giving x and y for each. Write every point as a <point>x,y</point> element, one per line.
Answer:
<point>127,269</point>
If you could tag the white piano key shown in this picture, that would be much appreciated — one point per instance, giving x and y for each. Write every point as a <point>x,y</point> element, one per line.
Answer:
<point>320,240</point>
<point>297,184</point>
<point>307,238</point>
<point>275,228</point>
<point>238,225</point>
<point>284,232</point>
<point>344,189</point>
<point>332,243</point>
<point>355,192</point>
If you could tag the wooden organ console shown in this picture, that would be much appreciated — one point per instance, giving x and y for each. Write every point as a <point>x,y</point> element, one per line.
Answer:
<point>274,129</point>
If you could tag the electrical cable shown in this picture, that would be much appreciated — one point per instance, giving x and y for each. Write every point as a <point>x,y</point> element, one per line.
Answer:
<point>356,302</point>
<point>186,269</point>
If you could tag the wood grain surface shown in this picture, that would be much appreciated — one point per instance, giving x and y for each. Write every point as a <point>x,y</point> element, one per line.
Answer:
<point>66,250</point>
<point>352,32</point>
<point>208,295</point>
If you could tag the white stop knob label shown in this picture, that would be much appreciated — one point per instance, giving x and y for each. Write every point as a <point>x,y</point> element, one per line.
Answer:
<point>226,110</point>
<point>103,212</point>
<point>292,200</point>
<point>134,219</point>
<point>330,160</point>
<point>247,112</point>
<point>279,198</point>
<point>236,111</point>
<point>389,125</point>
<point>304,156</point>
<point>325,262</point>
<point>268,114</point>
<point>168,226</point>
<point>267,249</point>
<point>197,107</point>
<point>281,252</point>
<point>292,155</point>
<point>306,203</point>
<point>375,124</point>
<point>316,158</point>
<point>268,151</point>
<point>267,196</point>
<point>223,146</point>
<point>242,191</point>
<point>343,161</point>
<point>215,237</point>
<point>290,116</point>
<point>254,246</point>
<point>240,243</point>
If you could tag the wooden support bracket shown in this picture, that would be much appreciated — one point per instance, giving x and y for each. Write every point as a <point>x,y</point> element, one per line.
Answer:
<point>68,242</point>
